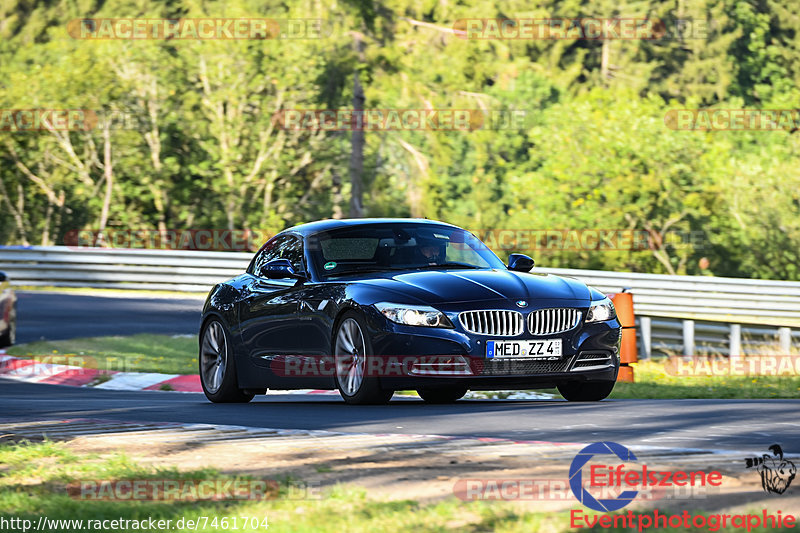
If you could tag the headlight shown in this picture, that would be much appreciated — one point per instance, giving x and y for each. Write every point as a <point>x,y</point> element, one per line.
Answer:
<point>414,315</point>
<point>600,311</point>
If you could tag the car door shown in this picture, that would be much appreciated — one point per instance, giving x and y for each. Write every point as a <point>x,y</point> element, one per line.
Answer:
<point>268,315</point>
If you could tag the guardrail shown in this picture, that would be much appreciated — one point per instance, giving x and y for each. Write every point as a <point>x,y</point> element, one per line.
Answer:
<point>754,301</point>
<point>710,309</point>
<point>658,336</point>
<point>108,268</point>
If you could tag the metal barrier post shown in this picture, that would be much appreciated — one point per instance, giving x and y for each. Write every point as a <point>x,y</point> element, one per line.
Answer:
<point>645,329</point>
<point>735,341</point>
<point>688,338</point>
<point>785,339</point>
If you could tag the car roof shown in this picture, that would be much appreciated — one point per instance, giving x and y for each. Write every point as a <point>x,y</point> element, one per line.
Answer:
<point>326,225</point>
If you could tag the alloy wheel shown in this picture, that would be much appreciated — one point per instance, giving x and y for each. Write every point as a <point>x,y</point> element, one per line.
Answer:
<point>213,356</point>
<point>350,356</point>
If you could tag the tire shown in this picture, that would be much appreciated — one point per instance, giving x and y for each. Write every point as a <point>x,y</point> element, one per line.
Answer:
<point>351,346</point>
<point>586,391</point>
<point>443,395</point>
<point>218,365</point>
<point>9,336</point>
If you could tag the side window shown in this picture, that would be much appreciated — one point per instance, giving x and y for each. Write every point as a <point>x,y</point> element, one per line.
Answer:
<point>292,249</point>
<point>285,247</point>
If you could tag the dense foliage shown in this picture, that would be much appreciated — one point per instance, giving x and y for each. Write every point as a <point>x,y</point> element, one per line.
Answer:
<point>197,147</point>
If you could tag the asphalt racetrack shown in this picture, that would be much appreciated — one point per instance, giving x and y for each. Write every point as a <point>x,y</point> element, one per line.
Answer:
<point>703,424</point>
<point>58,316</point>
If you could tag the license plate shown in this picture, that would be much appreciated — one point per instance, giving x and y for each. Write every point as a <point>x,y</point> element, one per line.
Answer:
<point>543,349</point>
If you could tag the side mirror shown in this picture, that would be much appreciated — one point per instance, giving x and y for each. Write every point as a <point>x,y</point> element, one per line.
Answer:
<point>520,263</point>
<point>279,269</point>
<point>3,277</point>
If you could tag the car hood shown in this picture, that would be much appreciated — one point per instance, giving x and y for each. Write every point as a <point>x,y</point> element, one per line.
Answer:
<point>451,286</point>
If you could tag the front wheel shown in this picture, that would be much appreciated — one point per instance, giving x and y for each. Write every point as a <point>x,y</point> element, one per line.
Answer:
<point>586,391</point>
<point>351,349</point>
<point>444,395</point>
<point>218,366</point>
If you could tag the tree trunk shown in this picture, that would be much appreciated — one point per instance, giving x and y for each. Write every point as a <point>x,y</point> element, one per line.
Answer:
<point>108,175</point>
<point>46,230</point>
<point>17,214</point>
<point>357,150</point>
<point>357,155</point>
<point>337,195</point>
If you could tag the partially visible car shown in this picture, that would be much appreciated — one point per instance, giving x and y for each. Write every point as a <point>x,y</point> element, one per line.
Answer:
<point>8,312</point>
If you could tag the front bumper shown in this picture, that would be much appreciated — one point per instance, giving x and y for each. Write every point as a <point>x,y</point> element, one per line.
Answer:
<point>451,356</point>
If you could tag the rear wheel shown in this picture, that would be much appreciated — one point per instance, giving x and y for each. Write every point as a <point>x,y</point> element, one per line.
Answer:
<point>351,349</point>
<point>586,391</point>
<point>218,366</point>
<point>442,395</point>
<point>9,336</point>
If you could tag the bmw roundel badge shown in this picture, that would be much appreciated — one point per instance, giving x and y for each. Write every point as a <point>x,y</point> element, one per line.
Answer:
<point>522,303</point>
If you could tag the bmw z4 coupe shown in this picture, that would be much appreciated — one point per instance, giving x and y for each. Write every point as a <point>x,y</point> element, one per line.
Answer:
<point>371,306</point>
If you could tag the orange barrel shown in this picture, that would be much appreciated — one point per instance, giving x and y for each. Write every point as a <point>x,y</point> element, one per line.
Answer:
<point>625,373</point>
<point>623,303</point>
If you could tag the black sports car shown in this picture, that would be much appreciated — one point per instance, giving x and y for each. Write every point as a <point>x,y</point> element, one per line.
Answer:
<point>371,306</point>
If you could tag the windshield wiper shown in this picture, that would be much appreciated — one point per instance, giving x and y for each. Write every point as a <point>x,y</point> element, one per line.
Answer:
<point>449,265</point>
<point>368,270</point>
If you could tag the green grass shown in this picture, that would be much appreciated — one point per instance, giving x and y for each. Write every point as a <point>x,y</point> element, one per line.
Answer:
<point>651,381</point>
<point>90,291</point>
<point>34,477</point>
<point>137,353</point>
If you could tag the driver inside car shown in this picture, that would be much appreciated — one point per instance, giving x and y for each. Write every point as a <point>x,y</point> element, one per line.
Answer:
<point>431,251</point>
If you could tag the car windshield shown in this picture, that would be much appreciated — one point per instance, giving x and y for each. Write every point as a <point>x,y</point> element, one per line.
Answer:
<point>390,247</point>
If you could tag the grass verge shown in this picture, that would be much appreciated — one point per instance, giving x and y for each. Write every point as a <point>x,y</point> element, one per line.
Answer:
<point>653,382</point>
<point>91,291</point>
<point>163,354</point>
<point>34,480</point>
